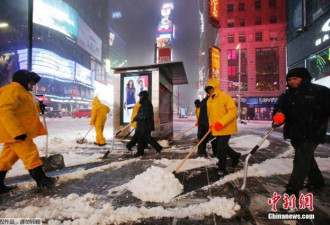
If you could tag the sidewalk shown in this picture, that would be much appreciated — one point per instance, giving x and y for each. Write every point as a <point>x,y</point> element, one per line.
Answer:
<point>105,179</point>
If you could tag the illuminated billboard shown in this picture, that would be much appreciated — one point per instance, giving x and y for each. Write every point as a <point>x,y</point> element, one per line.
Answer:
<point>164,55</point>
<point>83,74</point>
<point>57,15</point>
<point>88,40</point>
<point>215,62</point>
<point>214,13</point>
<point>166,25</point>
<point>47,63</point>
<point>164,41</point>
<point>131,85</point>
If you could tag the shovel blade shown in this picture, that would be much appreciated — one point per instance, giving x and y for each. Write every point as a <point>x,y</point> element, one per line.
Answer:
<point>53,162</point>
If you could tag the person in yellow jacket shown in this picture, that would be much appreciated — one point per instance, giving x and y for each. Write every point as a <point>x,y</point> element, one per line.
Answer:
<point>197,103</point>
<point>98,119</point>
<point>222,114</point>
<point>134,139</point>
<point>19,124</point>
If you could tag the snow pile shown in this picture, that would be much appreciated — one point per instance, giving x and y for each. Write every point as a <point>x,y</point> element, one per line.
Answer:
<point>155,185</point>
<point>164,143</point>
<point>247,142</point>
<point>87,209</point>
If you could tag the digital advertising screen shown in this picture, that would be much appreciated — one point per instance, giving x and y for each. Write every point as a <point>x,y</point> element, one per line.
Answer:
<point>215,62</point>
<point>57,15</point>
<point>83,74</point>
<point>48,63</point>
<point>131,85</point>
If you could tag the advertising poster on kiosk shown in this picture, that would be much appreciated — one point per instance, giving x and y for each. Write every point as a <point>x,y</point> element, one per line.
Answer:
<point>131,85</point>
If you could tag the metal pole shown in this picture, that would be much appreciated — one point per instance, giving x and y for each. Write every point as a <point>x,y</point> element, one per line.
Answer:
<point>239,82</point>
<point>30,34</point>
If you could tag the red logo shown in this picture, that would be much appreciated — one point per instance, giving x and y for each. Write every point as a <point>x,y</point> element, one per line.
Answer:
<point>305,201</point>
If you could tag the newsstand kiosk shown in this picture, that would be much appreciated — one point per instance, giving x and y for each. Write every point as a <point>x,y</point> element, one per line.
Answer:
<point>158,80</point>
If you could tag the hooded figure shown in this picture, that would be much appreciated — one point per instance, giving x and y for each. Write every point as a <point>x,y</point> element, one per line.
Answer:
<point>19,124</point>
<point>304,108</point>
<point>98,119</point>
<point>145,124</point>
<point>222,115</point>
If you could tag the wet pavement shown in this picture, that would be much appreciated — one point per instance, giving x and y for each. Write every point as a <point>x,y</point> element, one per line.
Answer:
<point>258,188</point>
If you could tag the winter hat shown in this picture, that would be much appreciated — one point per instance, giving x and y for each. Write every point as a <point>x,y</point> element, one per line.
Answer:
<point>24,77</point>
<point>299,72</point>
<point>144,94</point>
<point>197,103</point>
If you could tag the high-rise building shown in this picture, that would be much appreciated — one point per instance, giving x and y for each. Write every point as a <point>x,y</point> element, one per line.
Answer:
<point>253,54</point>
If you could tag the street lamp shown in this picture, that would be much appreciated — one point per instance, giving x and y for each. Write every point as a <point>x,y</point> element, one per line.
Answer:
<point>239,81</point>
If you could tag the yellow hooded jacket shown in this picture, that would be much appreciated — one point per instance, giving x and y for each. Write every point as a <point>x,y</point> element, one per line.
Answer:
<point>134,113</point>
<point>18,114</point>
<point>221,107</point>
<point>197,112</point>
<point>99,112</point>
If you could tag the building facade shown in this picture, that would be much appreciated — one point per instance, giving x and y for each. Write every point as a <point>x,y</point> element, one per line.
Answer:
<point>253,51</point>
<point>61,41</point>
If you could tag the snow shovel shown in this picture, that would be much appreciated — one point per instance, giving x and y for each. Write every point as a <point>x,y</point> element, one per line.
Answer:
<point>123,138</point>
<point>189,154</point>
<point>183,132</point>
<point>53,162</point>
<point>82,140</point>
<point>240,196</point>
<point>113,141</point>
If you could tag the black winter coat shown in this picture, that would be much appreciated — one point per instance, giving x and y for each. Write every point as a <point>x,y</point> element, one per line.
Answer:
<point>145,117</point>
<point>203,118</point>
<point>306,110</point>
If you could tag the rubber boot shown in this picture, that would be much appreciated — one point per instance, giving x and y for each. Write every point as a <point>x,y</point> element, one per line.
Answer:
<point>40,177</point>
<point>3,187</point>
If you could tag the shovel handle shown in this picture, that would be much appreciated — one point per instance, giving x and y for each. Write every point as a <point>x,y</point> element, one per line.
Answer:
<point>262,141</point>
<point>45,124</point>
<point>87,133</point>
<point>173,139</point>
<point>191,152</point>
<point>127,134</point>
<point>123,129</point>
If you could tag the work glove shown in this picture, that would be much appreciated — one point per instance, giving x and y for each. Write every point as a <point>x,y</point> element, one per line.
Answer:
<point>196,124</point>
<point>218,126</point>
<point>278,119</point>
<point>21,137</point>
<point>42,107</point>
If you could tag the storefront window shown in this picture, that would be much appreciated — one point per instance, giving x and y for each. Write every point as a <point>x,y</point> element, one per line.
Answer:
<point>267,69</point>
<point>319,67</point>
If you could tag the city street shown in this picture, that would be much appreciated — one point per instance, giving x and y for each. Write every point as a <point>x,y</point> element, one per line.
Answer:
<point>96,191</point>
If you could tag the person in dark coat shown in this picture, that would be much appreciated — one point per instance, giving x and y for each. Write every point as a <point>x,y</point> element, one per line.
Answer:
<point>145,124</point>
<point>304,109</point>
<point>203,128</point>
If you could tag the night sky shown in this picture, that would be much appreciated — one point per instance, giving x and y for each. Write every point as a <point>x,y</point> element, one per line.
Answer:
<point>139,24</point>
